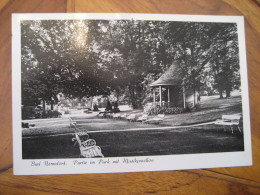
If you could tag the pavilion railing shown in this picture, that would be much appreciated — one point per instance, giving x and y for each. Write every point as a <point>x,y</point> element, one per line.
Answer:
<point>165,104</point>
<point>155,108</point>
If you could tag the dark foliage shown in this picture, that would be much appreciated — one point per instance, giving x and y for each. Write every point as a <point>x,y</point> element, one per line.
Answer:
<point>115,109</point>
<point>109,106</point>
<point>95,107</point>
<point>30,112</point>
<point>157,109</point>
<point>86,58</point>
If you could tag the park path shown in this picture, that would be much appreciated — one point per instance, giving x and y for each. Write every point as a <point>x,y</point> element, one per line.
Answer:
<point>106,122</point>
<point>152,128</point>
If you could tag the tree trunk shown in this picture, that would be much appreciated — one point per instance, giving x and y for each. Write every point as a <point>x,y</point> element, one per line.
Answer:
<point>43,106</point>
<point>228,93</point>
<point>52,102</point>
<point>133,96</point>
<point>194,95</point>
<point>220,93</point>
<point>228,86</point>
<point>91,102</point>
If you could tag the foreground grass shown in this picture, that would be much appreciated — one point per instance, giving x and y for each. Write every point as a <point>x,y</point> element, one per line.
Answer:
<point>137,143</point>
<point>52,138</point>
<point>212,108</point>
<point>86,124</point>
<point>47,130</point>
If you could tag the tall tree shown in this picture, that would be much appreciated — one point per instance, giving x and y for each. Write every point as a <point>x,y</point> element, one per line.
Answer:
<point>198,46</point>
<point>60,56</point>
<point>96,57</point>
<point>224,62</point>
<point>129,49</point>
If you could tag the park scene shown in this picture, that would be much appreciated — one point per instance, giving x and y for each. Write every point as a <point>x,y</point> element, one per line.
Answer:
<point>117,88</point>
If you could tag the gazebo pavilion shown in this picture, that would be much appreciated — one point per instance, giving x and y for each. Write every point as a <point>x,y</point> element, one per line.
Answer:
<point>172,92</point>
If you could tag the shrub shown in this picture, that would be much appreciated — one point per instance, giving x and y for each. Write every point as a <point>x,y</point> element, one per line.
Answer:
<point>115,109</point>
<point>38,114</point>
<point>87,111</point>
<point>66,112</point>
<point>157,109</point>
<point>25,125</point>
<point>28,112</point>
<point>95,107</point>
<point>51,114</point>
<point>109,106</point>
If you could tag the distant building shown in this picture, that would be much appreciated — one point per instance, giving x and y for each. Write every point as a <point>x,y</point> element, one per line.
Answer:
<point>172,90</point>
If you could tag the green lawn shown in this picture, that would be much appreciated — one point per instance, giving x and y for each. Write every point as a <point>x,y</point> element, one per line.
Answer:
<point>212,108</point>
<point>137,143</point>
<point>52,138</point>
<point>48,130</point>
<point>85,124</point>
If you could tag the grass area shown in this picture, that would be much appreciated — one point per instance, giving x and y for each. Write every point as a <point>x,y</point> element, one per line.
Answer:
<point>85,124</point>
<point>52,138</point>
<point>48,147</point>
<point>48,130</point>
<point>200,116</point>
<point>160,142</point>
<point>212,108</point>
<point>110,124</point>
<point>137,143</point>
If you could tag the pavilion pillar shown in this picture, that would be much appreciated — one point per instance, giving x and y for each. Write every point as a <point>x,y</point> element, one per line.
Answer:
<point>184,97</point>
<point>160,92</point>
<point>169,95</point>
<point>154,95</point>
<point>43,105</point>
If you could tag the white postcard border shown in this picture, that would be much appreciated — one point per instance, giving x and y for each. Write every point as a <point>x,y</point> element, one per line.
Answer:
<point>159,163</point>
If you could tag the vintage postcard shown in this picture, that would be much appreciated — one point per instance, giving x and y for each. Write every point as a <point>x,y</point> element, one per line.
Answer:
<point>104,93</point>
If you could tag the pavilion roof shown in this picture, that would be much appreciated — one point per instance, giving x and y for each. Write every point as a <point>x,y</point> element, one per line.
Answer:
<point>172,76</point>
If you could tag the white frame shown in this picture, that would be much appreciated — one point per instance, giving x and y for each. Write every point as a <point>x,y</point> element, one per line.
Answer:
<point>159,163</point>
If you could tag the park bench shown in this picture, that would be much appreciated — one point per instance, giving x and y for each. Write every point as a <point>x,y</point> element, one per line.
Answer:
<point>105,114</point>
<point>109,115</point>
<point>142,118</point>
<point>159,118</point>
<point>27,125</point>
<point>72,123</point>
<point>131,117</point>
<point>91,152</point>
<point>230,121</point>
<point>116,115</point>
<point>87,147</point>
<point>123,116</point>
<point>101,114</point>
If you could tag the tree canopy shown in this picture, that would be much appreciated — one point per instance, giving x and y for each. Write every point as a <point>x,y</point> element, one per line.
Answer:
<point>84,58</point>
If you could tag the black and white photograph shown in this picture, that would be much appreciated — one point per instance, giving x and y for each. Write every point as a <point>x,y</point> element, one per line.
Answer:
<point>129,92</point>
